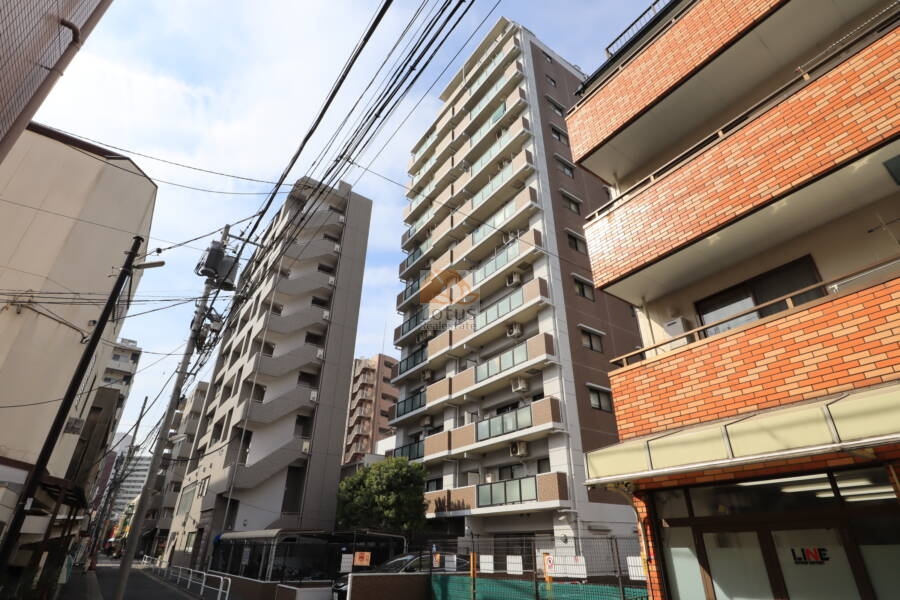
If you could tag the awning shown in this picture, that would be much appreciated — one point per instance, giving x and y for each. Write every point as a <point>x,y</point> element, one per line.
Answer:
<point>853,420</point>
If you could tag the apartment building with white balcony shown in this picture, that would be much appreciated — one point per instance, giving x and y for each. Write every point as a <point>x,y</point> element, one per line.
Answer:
<point>505,344</point>
<point>372,396</point>
<point>270,441</point>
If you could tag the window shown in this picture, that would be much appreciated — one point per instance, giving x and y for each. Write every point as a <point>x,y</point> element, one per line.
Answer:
<point>325,269</point>
<point>601,399</point>
<point>566,168</point>
<point>570,202</point>
<point>189,541</point>
<point>583,288</point>
<point>204,485</point>
<point>187,498</point>
<point>314,339</point>
<point>592,340</point>
<point>386,380</point>
<point>320,302</point>
<point>385,413</point>
<point>556,107</point>
<point>551,81</point>
<point>543,465</point>
<point>276,308</point>
<point>576,243</point>
<point>547,57</point>
<point>511,472</point>
<point>176,486</point>
<point>331,238</point>
<point>772,284</point>
<point>117,357</point>
<point>559,135</point>
<point>433,485</point>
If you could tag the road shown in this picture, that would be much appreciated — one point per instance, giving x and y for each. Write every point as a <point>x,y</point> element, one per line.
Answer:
<point>101,585</point>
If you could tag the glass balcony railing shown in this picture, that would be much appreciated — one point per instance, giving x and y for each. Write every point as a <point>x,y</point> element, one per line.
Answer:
<point>418,153</point>
<point>500,309</point>
<point>410,403</point>
<point>411,289</point>
<point>414,359</point>
<point>415,254</point>
<point>488,98</point>
<point>414,321</point>
<point>492,120</point>
<point>493,224</point>
<point>503,424</point>
<point>486,72</point>
<point>491,153</point>
<point>411,451</point>
<point>492,186</point>
<point>511,491</point>
<point>496,262</point>
<point>502,362</point>
<point>420,222</point>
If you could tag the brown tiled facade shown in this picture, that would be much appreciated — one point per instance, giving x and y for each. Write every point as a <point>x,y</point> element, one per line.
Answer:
<point>372,398</point>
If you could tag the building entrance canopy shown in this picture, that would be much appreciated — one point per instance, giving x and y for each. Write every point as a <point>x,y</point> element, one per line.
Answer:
<point>851,420</point>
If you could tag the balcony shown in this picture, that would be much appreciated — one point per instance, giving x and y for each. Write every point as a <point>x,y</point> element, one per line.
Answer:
<point>250,475</point>
<point>522,305</point>
<point>300,318</point>
<point>693,63</point>
<point>408,365</point>
<point>407,406</point>
<point>313,282</point>
<point>310,249</point>
<point>302,356</point>
<point>795,170</point>
<point>524,424</point>
<point>301,398</point>
<point>547,491</point>
<point>413,451</point>
<point>494,373</point>
<point>844,341</point>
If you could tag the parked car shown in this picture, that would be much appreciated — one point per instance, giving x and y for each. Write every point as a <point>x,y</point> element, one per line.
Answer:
<point>405,563</point>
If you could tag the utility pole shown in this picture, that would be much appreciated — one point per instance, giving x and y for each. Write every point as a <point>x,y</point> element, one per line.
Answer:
<point>212,281</point>
<point>29,488</point>
<point>113,491</point>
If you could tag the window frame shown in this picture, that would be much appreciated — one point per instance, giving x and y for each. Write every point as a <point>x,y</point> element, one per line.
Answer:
<point>582,286</point>
<point>594,339</point>
<point>602,392</point>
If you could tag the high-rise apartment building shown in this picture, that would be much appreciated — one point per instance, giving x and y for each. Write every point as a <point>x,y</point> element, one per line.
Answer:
<point>270,442</point>
<point>40,38</point>
<point>135,472</point>
<point>505,345</point>
<point>166,485</point>
<point>754,148</point>
<point>372,396</point>
<point>69,211</point>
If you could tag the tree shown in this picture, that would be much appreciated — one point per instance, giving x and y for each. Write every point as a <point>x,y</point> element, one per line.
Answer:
<point>387,496</point>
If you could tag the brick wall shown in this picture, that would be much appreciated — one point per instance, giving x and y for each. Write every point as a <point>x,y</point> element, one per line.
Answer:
<point>847,112</point>
<point>703,32</point>
<point>846,343</point>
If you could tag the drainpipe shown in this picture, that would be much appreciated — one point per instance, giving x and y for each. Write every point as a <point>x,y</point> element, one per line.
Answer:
<point>53,74</point>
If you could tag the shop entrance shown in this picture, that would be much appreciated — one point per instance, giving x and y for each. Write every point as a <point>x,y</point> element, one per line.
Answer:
<point>814,537</point>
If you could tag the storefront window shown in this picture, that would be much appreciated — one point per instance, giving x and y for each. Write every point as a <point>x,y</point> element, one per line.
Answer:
<point>685,581</point>
<point>879,544</point>
<point>671,504</point>
<point>736,565</point>
<point>772,495</point>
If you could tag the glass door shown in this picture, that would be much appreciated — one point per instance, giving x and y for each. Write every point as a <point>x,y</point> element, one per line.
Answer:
<point>736,565</point>
<point>814,564</point>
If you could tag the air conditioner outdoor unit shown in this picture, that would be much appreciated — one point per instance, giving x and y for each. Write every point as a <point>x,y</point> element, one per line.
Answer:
<point>422,337</point>
<point>676,327</point>
<point>513,279</point>
<point>519,384</point>
<point>426,421</point>
<point>427,375</point>
<point>507,237</point>
<point>519,449</point>
<point>514,330</point>
<point>342,219</point>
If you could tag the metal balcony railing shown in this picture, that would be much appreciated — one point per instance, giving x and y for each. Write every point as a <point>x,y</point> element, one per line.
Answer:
<point>636,26</point>
<point>414,359</point>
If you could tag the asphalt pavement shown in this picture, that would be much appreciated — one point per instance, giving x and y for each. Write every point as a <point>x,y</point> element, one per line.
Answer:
<point>101,585</point>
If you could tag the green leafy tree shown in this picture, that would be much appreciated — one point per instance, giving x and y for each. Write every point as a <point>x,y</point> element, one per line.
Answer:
<point>387,496</point>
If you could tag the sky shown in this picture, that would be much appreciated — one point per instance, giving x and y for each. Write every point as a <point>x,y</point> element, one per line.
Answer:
<point>232,86</point>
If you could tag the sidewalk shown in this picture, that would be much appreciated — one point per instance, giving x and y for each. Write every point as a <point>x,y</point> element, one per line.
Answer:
<point>101,585</point>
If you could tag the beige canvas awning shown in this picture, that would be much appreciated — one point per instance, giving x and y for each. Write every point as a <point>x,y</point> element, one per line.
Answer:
<point>852,420</point>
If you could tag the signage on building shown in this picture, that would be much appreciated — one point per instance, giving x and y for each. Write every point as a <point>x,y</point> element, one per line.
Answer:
<point>486,563</point>
<point>810,556</point>
<point>346,563</point>
<point>362,559</point>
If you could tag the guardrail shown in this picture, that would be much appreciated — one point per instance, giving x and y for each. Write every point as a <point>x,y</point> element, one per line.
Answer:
<point>190,576</point>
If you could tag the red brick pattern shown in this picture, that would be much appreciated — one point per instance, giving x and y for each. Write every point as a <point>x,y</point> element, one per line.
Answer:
<point>707,28</point>
<point>845,113</point>
<point>846,343</point>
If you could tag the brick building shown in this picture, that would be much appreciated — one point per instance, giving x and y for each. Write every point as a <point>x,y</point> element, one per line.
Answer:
<point>754,152</point>
<point>372,396</point>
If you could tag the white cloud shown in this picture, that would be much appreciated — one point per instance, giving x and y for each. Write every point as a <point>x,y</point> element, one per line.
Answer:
<point>233,86</point>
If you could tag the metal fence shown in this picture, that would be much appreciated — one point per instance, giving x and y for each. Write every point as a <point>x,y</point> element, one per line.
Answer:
<point>519,567</point>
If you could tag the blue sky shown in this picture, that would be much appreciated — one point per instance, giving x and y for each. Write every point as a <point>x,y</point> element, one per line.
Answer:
<point>232,86</point>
